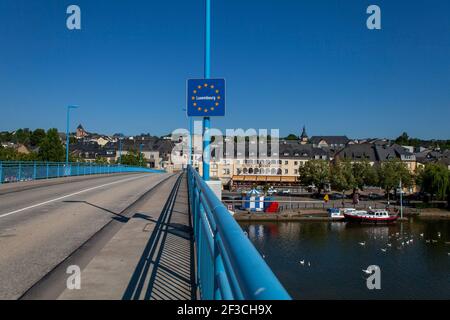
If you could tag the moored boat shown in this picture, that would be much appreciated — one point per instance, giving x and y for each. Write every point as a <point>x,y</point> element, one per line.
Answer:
<point>371,216</point>
<point>335,214</point>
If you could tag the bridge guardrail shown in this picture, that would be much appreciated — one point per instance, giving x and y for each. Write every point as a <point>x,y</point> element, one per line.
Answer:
<point>228,265</point>
<point>15,171</point>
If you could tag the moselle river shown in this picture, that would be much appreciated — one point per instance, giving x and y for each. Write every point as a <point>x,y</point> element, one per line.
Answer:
<point>414,258</point>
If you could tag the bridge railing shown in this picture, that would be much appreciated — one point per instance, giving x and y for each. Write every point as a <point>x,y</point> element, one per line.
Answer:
<point>15,171</point>
<point>228,265</point>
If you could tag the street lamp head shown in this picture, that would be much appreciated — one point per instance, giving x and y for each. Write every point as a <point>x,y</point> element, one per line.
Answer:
<point>73,106</point>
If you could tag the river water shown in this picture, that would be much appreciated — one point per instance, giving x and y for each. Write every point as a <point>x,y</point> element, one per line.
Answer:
<point>335,253</point>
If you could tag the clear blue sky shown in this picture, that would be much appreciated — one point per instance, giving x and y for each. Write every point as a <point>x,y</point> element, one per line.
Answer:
<point>287,63</point>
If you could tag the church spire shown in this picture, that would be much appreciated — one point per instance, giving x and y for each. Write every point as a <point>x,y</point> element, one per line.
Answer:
<point>304,136</point>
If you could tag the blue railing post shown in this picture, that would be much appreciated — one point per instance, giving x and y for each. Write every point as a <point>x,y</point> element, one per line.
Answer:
<point>1,172</point>
<point>34,170</point>
<point>19,172</point>
<point>47,170</point>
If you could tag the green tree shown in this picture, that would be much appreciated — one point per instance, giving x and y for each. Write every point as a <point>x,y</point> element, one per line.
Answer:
<point>365,174</point>
<point>76,158</point>
<point>51,148</point>
<point>5,136</point>
<point>101,160</point>
<point>341,176</point>
<point>133,158</point>
<point>37,136</point>
<point>418,175</point>
<point>11,154</point>
<point>315,172</point>
<point>435,180</point>
<point>291,137</point>
<point>8,154</point>
<point>22,136</point>
<point>391,172</point>
<point>403,139</point>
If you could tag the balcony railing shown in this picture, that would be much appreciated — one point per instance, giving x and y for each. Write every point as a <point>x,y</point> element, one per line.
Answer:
<point>228,265</point>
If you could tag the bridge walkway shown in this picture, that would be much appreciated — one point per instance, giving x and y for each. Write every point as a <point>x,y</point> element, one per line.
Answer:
<point>150,257</point>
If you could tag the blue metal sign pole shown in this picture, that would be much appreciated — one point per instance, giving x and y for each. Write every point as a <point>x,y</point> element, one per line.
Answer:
<point>190,141</point>
<point>206,120</point>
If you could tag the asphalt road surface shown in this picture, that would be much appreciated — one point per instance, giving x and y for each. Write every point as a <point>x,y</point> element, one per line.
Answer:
<point>42,225</point>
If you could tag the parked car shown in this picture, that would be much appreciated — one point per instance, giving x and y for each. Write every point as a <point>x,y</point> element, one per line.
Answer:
<point>336,196</point>
<point>375,196</point>
<point>418,196</point>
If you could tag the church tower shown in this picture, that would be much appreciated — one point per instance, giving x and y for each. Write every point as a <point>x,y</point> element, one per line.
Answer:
<point>304,137</point>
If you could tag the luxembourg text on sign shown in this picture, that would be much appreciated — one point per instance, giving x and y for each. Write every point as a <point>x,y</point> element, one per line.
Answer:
<point>206,97</point>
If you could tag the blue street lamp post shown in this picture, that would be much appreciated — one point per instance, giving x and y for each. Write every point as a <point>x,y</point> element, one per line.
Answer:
<point>67,133</point>
<point>206,120</point>
<point>140,153</point>
<point>190,138</point>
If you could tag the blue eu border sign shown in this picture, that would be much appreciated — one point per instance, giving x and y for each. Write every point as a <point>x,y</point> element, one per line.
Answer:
<point>206,97</point>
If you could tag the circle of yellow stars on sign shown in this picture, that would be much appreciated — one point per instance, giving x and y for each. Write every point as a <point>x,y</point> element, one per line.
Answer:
<point>199,88</point>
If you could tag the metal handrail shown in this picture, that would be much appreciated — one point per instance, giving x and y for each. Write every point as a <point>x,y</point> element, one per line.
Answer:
<point>228,265</point>
<point>16,171</point>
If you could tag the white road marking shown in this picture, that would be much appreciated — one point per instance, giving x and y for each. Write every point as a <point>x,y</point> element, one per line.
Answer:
<point>69,195</point>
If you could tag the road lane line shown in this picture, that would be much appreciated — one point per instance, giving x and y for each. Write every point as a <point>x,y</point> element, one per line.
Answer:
<point>69,195</point>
